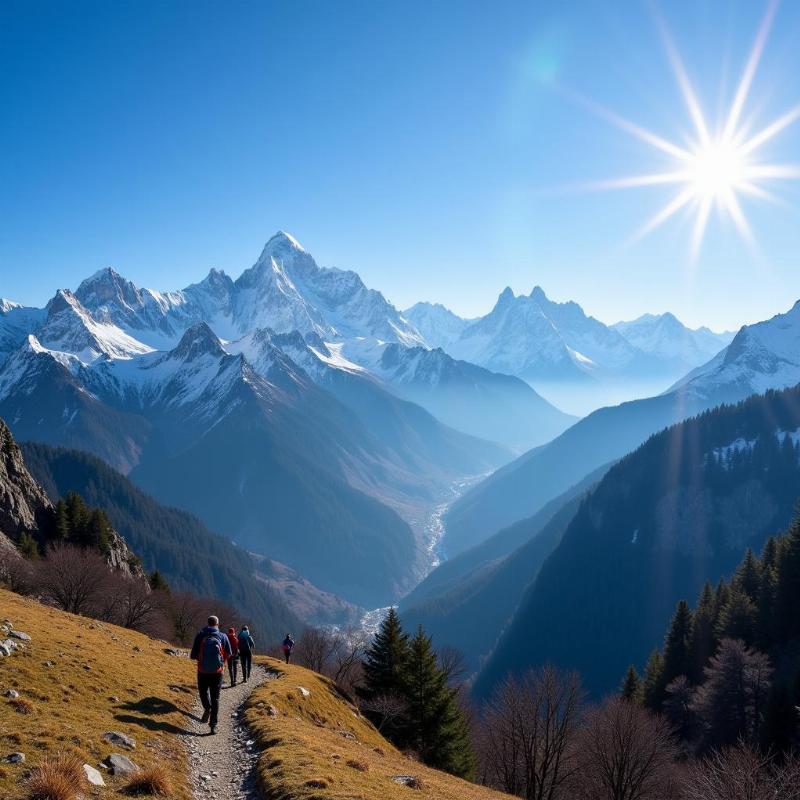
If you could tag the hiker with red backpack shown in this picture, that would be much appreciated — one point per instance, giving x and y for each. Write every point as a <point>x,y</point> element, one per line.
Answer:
<point>211,649</point>
<point>233,661</point>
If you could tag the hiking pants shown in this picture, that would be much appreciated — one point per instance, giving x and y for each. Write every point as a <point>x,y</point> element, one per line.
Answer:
<point>209,686</point>
<point>287,654</point>
<point>247,661</point>
<point>233,665</point>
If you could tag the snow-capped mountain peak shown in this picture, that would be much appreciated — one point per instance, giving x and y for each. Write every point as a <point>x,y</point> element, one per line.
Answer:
<point>197,341</point>
<point>762,356</point>
<point>7,305</point>
<point>70,328</point>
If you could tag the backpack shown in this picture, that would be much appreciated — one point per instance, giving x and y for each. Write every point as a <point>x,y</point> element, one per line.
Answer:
<point>245,642</point>
<point>212,656</point>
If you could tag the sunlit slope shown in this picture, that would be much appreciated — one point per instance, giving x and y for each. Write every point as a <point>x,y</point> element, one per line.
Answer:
<point>316,745</point>
<point>78,679</point>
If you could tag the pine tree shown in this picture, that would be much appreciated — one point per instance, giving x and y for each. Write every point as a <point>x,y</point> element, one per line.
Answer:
<point>631,688</point>
<point>158,583</point>
<point>653,689</point>
<point>28,546</point>
<point>677,644</point>
<point>703,642</point>
<point>386,660</point>
<point>765,609</point>
<point>721,595</point>
<point>738,618</point>
<point>787,603</point>
<point>435,724</point>
<point>61,523</point>
<point>748,576</point>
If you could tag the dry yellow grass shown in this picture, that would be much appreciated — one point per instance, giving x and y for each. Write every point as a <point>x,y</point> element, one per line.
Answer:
<point>80,678</point>
<point>154,781</point>
<point>318,747</point>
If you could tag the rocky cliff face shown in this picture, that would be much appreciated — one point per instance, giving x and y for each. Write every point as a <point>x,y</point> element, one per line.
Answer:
<point>26,508</point>
<point>23,503</point>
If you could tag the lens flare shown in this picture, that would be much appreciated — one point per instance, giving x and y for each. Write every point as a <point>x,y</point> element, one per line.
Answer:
<point>716,168</point>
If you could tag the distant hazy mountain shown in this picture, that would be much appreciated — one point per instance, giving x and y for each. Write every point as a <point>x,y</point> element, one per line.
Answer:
<point>567,355</point>
<point>678,511</point>
<point>760,356</point>
<point>491,405</point>
<point>438,325</point>
<point>678,348</point>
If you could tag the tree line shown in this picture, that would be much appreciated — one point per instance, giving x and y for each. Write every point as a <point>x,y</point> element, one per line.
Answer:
<point>729,670</point>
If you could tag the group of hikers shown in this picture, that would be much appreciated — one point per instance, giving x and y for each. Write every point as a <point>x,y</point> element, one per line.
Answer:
<point>212,649</point>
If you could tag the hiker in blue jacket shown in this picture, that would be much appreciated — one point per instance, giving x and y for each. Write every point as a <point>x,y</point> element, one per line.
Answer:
<point>211,649</point>
<point>246,646</point>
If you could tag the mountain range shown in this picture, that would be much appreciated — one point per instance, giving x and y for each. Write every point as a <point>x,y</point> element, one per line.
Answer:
<point>677,512</point>
<point>760,357</point>
<point>558,348</point>
<point>272,436</point>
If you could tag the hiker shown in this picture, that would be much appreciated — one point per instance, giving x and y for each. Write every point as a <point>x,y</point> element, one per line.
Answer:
<point>288,644</point>
<point>246,646</point>
<point>233,661</point>
<point>211,649</point>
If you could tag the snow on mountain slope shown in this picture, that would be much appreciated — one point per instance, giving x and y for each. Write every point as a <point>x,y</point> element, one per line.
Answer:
<point>70,328</point>
<point>666,337</point>
<point>501,408</point>
<point>760,357</point>
<point>439,326</point>
<point>285,290</point>
<point>16,322</point>
<point>540,340</point>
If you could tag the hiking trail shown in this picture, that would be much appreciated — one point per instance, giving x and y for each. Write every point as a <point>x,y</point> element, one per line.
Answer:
<point>223,765</point>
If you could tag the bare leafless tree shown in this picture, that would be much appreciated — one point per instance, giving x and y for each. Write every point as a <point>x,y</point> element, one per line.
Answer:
<point>529,734</point>
<point>16,573</point>
<point>315,649</point>
<point>385,709</point>
<point>188,613</point>
<point>72,579</point>
<point>624,753</point>
<point>453,664</point>
<point>735,773</point>
<point>348,654</point>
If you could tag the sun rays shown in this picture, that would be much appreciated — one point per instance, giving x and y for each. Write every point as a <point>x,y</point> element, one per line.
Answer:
<point>717,167</point>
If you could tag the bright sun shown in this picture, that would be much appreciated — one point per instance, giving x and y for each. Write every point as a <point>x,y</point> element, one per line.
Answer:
<point>716,168</point>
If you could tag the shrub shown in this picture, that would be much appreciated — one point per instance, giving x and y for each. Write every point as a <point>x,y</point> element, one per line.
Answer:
<point>152,781</point>
<point>60,777</point>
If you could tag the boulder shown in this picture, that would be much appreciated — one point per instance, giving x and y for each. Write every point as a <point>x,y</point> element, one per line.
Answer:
<point>16,758</point>
<point>12,693</point>
<point>93,776</point>
<point>24,637</point>
<point>120,739</point>
<point>121,765</point>
<point>304,691</point>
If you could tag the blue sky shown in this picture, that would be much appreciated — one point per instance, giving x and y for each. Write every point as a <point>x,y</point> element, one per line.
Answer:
<point>426,145</point>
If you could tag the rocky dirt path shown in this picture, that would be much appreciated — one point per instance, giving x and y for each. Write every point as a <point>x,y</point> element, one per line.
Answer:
<point>223,765</point>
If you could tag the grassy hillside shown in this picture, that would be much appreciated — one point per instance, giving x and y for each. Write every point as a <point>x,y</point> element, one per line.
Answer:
<point>102,678</point>
<point>318,746</point>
